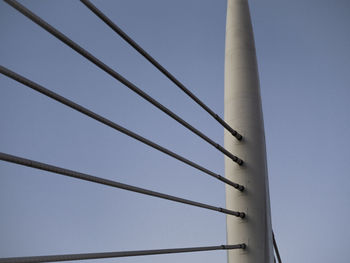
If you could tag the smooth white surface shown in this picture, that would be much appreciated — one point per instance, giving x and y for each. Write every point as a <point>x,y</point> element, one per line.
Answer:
<point>243,112</point>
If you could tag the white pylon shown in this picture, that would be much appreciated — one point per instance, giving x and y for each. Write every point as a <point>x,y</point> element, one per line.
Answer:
<point>243,112</point>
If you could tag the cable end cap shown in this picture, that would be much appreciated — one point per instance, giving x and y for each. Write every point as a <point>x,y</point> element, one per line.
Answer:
<point>239,161</point>
<point>242,215</point>
<point>243,246</point>
<point>240,188</point>
<point>238,136</point>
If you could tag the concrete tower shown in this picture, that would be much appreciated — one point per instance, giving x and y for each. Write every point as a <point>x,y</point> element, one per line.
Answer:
<point>243,112</point>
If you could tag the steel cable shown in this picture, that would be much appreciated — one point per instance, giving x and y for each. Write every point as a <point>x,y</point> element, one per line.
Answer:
<point>68,257</point>
<point>155,63</point>
<point>94,179</point>
<point>111,124</point>
<point>36,19</point>
<point>276,248</point>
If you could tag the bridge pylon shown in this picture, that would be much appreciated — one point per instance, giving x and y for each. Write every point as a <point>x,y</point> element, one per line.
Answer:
<point>243,111</point>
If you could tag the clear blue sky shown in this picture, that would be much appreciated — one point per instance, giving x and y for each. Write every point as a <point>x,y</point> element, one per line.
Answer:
<point>304,60</point>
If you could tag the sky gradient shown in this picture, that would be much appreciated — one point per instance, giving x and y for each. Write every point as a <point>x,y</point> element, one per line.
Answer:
<point>304,60</point>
